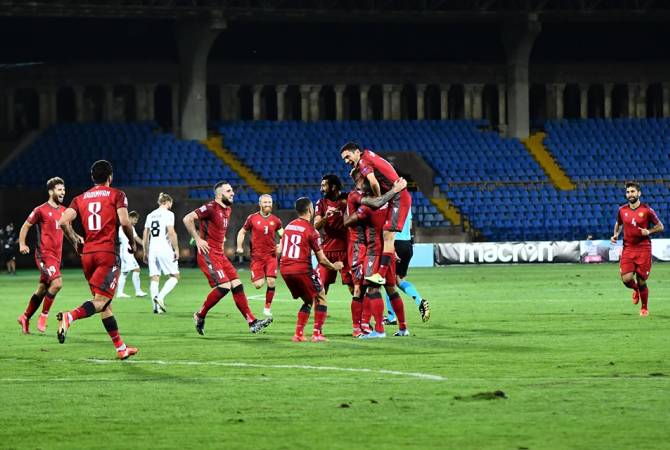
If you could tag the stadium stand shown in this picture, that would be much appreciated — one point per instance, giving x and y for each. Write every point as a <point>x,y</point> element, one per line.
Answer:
<point>140,154</point>
<point>494,182</point>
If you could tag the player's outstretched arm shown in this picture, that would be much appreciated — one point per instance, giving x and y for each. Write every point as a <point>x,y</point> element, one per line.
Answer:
<point>350,219</point>
<point>189,223</point>
<point>374,184</point>
<point>145,244</point>
<point>321,257</point>
<point>172,236</point>
<point>23,248</point>
<point>240,240</point>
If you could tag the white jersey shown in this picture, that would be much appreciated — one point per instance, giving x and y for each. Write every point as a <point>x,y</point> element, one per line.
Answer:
<point>128,261</point>
<point>157,223</point>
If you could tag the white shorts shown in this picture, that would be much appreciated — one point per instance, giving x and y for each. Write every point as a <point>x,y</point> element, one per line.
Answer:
<point>128,262</point>
<point>162,263</point>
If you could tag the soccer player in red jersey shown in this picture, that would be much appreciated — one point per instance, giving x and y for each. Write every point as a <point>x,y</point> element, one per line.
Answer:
<point>300,239</point>
<point>374,220</point>
<point>329,216</point>
<point>218,270</point>
<point>636,218</point>
<point>101,209</point>
<point>264,226</point>
<point>48,251</point>
<point>381,175</point>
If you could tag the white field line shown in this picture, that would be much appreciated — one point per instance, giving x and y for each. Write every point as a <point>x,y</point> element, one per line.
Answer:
<point>423,376</point>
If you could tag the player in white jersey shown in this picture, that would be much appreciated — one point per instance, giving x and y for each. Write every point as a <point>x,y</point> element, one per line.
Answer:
<point>161,250</point>
<point>128,261</point>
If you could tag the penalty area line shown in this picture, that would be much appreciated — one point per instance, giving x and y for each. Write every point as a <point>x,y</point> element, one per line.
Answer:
<point>423,376</point>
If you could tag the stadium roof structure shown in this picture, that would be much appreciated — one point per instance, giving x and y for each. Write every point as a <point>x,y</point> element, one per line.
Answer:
<point>347,10</point>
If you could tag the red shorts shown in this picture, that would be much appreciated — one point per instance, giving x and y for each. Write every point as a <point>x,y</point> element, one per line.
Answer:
<point>638,261</point>
<point>328,276</point>
<point>303,285</point>
<point>217,268</point>
<point>265,267</point>
<point>372,267</point>
<point>398,209</point>
<point>49,268</point>
<point>356,261</point>
<point>101,270</point>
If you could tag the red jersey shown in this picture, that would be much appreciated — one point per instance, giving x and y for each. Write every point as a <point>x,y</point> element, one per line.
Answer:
<point>634,219</point>
<point>299,240</point>
<point>49,233</point>
<point>214,224</point>
<point>97,211</point>
<point>334,232</point>
<point>357,230</point>
<point>386,175</point>
<point>374,232</point>
<point>263,231</point>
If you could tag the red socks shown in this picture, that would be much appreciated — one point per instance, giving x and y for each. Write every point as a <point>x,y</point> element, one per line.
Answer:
<point>356,311</point>
<point>399,308</point>
<point>269,295</point>
<point>644,295</point>
<point>303,317</point>
<point>242,303</point>
<point>48,301</point>
<point>320,318</point>
<point>87,309</point>
<point>377,308</point>
<point>212,299</point>
<point>113,331</point>
<point>366,311</point>
<point>33,304</point>
<point>385,262</point>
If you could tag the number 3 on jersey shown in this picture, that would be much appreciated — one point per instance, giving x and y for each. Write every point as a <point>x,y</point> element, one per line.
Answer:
<point>292,251</point>
<point>94,219</point>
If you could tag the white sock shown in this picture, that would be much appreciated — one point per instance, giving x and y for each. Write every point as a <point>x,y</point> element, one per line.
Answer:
<point>167,287</point>
<point>153,288</point>
<point>122,283</point>
<point>136,282</point>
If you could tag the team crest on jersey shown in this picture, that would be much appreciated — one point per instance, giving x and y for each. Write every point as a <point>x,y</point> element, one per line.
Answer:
<point>258,223</point>
<point>640,214</point>
<point>271,223</point>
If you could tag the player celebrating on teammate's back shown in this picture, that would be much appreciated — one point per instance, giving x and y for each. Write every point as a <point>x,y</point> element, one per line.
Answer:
<point>635,219</point>
<point>264,226</point>
<point>48,250</point>
<point>218,270</point>
<point>381,176</point>
<point>329,217</point>
<point>299,240</point>
<point>101,210</point>
<point>128,260</point>
<point>161,250</point>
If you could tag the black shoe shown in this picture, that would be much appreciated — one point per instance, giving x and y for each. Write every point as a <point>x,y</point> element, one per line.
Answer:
<point>199,323</point>
<point>258,325</point>
<point>424,310</point>
<point>390,322</point>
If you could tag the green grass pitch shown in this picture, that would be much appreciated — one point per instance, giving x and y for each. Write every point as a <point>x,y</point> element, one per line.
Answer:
<point>579,369</point>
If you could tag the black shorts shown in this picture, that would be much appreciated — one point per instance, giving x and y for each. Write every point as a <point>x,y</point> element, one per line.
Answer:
<point>404,250</point>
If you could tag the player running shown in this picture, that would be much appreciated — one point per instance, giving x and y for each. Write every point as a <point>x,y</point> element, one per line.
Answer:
<point>404,250</point>
<point>48,250</point>
<point>635,218</point>
<point>381,175</point>
<point>299,241</point>
<point>128,261</point>
<point>218,270</point>
<point>161,251</point>
<point>101,209</point>
<point>374,220</point>
<point>264,226</point>
<point>329,216</point>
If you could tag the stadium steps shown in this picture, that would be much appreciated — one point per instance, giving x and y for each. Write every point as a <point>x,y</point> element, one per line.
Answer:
<point>451,213</point>
<point>537,149</point>
<point>215,145</point>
